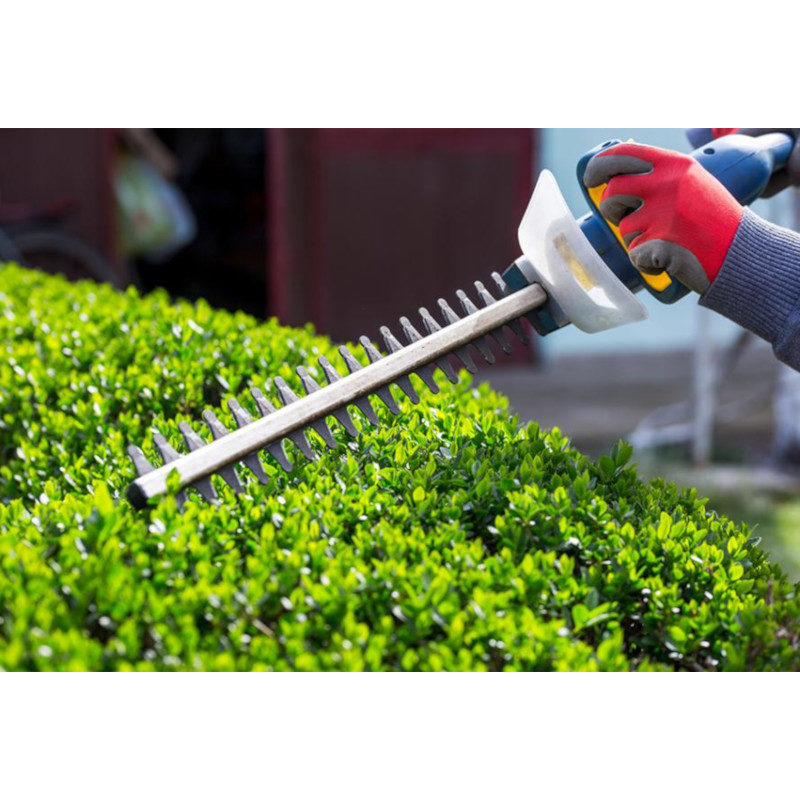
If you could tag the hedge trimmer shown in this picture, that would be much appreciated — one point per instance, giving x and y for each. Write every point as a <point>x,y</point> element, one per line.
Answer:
<point>570,271</point>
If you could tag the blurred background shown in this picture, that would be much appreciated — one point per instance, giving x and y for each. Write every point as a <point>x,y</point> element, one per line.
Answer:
<point>350,229</point>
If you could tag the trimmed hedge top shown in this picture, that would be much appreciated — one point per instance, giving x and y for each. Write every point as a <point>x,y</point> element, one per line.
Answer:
<point>450,539</point>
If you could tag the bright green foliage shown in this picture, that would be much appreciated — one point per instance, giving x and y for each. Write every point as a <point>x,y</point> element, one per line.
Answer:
<point>449,539</point>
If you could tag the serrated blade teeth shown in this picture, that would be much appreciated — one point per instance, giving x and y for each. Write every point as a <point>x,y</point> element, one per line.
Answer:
<point>140,462</point>
<point>485,295</point>
<point>365,407</point>
<point>287,396</point>
<point>331,375</point>
<point>218,430</point>
<point>319,425</point>
<point>488,300</point>
<point>165,449</point>
<point>405,386</point>
<point>303,445</point>
<point>372,352</point>
<point>353,364</point>
<point>285,393</point>
<point>403,382</point>
<point>410,332</point>
<point>449,315</point>
<point>500,283</point>
<point>501,340</point>
<point>240,415</point>
<point>392,345</point>
<point>430,323</point>
<point>192,439</point>
<point>254,465</point>
<point>262,402</point>
<point>309,387</point>
<point>466,304</point>
<point>466,359</point>
<point>168,453</point>
<point>325,433</point>
<point>426,374</point>
<point>309,384</point>
<point>485,349</point>
<point>431,326</point>
<point>386,396</point>
<point>362,404</point>
<point>446,367</point>
<point>460,353</point>
<point>515,325</point>
<point>342,416</point>
<point>413,335</point>
<point>275,449</point>
<point>384,393</point>
<point>482,344</point>
<point>242,418</point>
<point>194,442</point>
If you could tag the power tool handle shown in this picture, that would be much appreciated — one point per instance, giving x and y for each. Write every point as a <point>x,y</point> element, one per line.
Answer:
<point>745,164</point>
<point>780,146</point>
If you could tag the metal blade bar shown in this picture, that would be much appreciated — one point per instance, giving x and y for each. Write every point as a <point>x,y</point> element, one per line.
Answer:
<point>284,421</point>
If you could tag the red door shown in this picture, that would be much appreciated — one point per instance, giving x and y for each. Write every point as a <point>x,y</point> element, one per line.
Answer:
<point>367,225</point>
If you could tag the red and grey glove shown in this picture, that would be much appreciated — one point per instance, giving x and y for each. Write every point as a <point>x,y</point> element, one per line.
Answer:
<point>673,215</point>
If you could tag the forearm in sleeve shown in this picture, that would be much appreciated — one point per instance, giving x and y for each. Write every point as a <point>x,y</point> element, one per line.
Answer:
<point>758,286</point>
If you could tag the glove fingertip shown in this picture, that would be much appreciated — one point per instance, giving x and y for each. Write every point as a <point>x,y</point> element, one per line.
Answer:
<point>610,163</point>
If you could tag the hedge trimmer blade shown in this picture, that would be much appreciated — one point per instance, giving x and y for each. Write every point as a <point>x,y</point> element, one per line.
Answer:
<point>421,356</point>
<point>558,261</point>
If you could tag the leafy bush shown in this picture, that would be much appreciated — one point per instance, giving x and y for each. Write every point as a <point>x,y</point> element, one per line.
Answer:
<point>455,540</point>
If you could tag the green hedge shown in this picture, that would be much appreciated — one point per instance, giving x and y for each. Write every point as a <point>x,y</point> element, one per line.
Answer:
<point>455,540</point>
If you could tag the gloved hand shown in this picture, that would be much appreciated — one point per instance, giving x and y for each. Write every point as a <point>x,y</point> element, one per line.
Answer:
<point>790,175</point>
<point>672,214</point>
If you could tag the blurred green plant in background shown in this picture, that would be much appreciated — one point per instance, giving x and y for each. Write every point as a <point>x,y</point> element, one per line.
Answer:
<point>775,520</point>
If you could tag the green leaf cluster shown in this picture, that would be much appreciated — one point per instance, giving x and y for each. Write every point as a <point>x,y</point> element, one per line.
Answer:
<point>451,539</point>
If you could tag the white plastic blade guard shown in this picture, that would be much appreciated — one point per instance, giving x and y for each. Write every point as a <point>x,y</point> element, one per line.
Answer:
<point>568,267</point>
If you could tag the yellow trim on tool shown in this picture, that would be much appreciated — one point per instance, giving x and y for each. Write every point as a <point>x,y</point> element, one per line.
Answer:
<point>656,282</point>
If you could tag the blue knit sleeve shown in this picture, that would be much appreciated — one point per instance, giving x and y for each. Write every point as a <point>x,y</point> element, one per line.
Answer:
<point>758,286</point>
